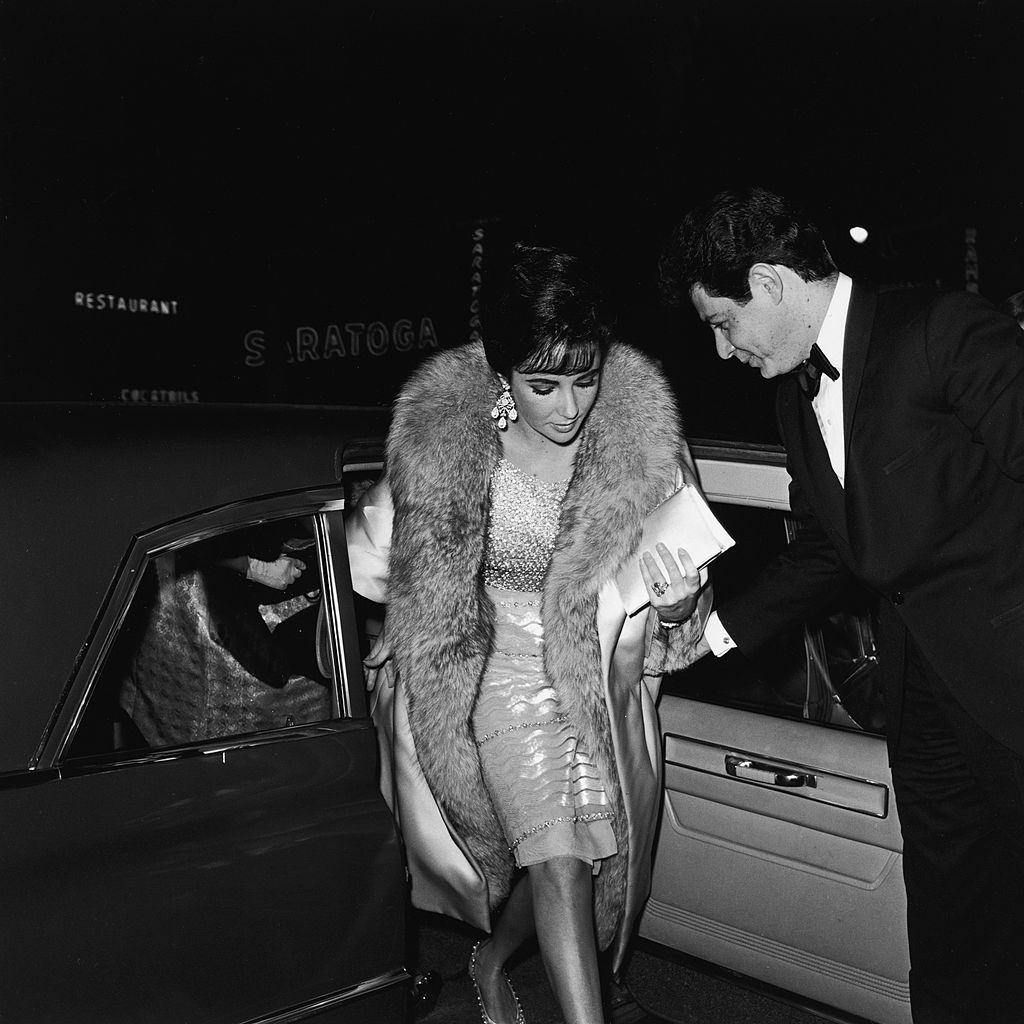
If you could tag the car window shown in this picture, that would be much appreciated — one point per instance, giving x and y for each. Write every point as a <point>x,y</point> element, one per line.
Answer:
<point>220,639</point>
<point>823,672</point>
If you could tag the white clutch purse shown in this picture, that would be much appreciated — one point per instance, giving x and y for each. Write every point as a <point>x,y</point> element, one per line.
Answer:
<point>682,521</point>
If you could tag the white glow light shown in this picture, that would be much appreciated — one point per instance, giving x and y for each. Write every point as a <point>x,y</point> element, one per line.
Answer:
<point>859,235</point>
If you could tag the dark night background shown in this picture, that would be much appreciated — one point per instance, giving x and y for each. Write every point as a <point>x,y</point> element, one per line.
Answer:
<point>300,181</point>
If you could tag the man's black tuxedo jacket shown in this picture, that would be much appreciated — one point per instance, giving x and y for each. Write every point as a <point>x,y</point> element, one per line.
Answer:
<point>932,514</point>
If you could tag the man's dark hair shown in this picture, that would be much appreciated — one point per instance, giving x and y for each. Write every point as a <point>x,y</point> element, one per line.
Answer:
<point>547,316</point>
<point>717,243</point>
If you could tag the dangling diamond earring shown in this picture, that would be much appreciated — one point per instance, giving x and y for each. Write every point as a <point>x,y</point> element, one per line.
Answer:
<point>505,407</point>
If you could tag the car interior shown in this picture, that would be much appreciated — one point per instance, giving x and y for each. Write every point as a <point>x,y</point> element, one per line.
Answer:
<point>204,652</point>
<point>825,671</point>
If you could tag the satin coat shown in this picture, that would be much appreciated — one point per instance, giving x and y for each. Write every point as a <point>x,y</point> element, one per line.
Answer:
<point>416,542</point>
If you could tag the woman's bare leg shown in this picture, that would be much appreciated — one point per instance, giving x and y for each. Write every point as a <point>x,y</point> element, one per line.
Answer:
<point>562,890</point>
<point>555,899</point>
<point>514,927</point>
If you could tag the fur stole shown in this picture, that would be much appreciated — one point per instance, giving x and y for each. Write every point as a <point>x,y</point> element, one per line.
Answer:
<point>442,449</point>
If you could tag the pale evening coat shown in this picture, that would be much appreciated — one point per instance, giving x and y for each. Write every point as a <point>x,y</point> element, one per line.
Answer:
<point>416,542</point>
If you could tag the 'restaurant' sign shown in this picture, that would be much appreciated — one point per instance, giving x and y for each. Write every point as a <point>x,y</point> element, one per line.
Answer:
<point>107,302</point>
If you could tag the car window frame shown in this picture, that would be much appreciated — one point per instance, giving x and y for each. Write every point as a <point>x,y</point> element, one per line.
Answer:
<point>724,482</point>
<point>325,507</point>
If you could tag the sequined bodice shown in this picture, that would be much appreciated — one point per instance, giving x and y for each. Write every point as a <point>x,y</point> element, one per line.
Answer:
<point>522,528</point>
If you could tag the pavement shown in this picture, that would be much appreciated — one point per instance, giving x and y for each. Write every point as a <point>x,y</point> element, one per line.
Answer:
<point>659,990</point>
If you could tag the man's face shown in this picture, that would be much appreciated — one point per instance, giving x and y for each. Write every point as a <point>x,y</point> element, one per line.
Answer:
<point>762,333</point>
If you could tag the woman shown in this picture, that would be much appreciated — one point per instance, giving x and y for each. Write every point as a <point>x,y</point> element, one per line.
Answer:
<point>526,750</point>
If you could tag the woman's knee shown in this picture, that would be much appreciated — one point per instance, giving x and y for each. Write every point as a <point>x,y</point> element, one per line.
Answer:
<point>560,876</point>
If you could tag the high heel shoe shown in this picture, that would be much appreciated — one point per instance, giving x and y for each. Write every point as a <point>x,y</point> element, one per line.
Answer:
<point>487,1019</point>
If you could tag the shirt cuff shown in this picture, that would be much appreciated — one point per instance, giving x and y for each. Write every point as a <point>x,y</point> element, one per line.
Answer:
<point>718,639</point>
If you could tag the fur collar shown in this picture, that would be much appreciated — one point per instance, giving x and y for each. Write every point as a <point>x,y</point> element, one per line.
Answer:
<point>442,449</point>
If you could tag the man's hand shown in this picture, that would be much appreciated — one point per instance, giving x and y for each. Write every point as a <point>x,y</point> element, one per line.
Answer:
<point>279,574</point>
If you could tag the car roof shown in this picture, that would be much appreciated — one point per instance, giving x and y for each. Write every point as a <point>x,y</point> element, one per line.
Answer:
<point>79,481</point>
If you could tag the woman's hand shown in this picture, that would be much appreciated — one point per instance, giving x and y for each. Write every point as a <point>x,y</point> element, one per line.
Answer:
<point>380,652</point>
<point>673,585</point>
<point>377,659</point>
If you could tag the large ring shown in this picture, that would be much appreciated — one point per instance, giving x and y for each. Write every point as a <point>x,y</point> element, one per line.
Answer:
<point>659,588</point>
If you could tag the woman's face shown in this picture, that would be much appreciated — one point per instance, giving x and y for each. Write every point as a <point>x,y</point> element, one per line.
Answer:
<point>555,405</point>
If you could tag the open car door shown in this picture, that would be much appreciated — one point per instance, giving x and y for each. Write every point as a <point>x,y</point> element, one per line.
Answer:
<point>208,827</point>
<point>779,854</point>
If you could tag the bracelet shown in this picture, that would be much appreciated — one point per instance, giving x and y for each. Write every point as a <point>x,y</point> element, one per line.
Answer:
<point>668,625</point>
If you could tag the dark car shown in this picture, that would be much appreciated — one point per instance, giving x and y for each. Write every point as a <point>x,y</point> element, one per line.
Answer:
<point>192,825</point>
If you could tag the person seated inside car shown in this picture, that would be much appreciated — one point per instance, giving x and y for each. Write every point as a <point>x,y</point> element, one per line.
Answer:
<point>227,642</point>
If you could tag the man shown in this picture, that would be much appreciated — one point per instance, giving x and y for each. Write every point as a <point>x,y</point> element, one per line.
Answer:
<point>904,430</point>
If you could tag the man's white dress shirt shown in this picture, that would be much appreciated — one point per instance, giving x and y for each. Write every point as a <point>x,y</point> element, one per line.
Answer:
<point>828,411</point>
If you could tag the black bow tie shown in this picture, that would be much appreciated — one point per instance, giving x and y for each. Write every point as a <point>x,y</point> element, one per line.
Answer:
<point>809,372</point>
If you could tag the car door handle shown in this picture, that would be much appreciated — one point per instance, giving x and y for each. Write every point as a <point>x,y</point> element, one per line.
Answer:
<point>772,775</point>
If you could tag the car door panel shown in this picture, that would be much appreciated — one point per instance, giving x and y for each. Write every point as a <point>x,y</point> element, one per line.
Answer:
<point>205,886</point>
<point>783,888</point>
<point>737,754</point>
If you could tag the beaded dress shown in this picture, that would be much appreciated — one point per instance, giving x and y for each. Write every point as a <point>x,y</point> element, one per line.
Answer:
<point>545,787</point>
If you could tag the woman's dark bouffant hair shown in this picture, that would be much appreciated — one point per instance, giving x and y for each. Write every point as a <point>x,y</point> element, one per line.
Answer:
<point>546,317</point>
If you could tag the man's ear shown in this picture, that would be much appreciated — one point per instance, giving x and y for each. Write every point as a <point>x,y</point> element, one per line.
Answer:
<point>766,278</point>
